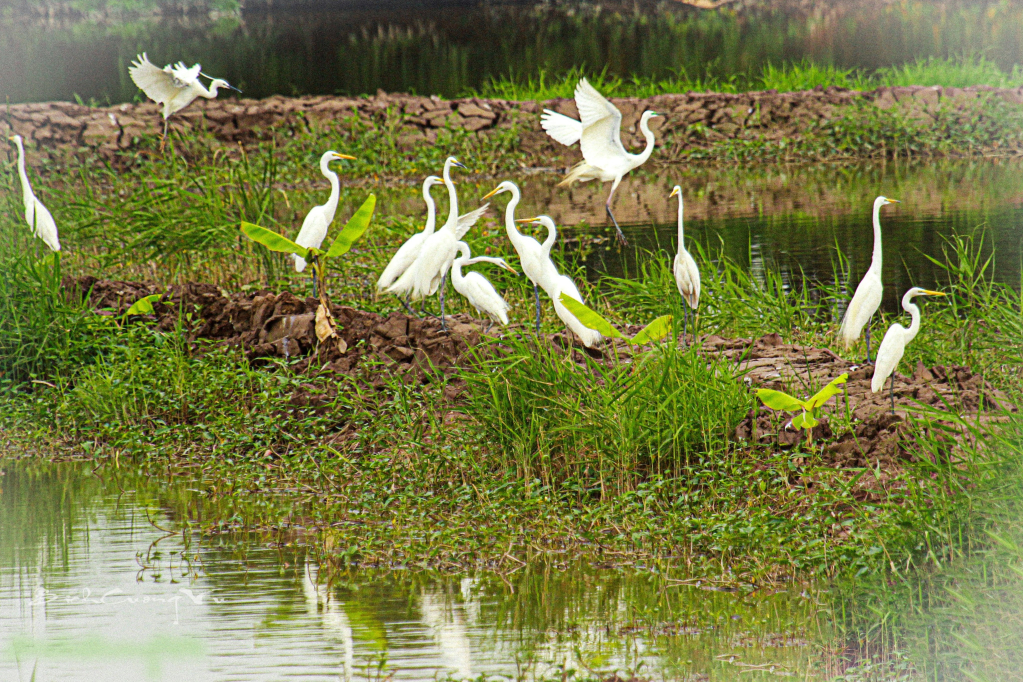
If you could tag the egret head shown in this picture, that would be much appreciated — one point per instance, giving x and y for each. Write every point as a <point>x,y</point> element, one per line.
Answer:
<point>430,181</point>
<point>647,115</point>
<point>506,186</point>
<point>883,201</point>
<point>16,139</point>
<point>452,161</point>
<point>334,156</point>
<point>917,291</point>
<point>221,83</point>
<point>676,191</point>
<point>544,220</point>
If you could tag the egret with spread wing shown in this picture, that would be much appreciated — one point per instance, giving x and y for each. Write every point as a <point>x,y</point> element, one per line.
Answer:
<point>429,271</point>
<point>38,218</point>
<point>409,251</point>
<point>687,275</point>
<point>893,346</point>
<point>318,220</point>
<point>175,87</point>
<point>867,298</point>
<point>476,288</point>
<point>599,134</point>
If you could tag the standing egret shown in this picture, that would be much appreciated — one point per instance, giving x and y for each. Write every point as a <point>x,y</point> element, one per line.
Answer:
<point>867,298</point>
<point>476,288</point>
<point>175,87</point>
<point>687,275</point>
<point>318,220</point>
<point>535,264</point>
<point>429,271</point>
<point>893,346</point>
<point>407,253</point>
<point>599,135</point>
<point>39,220</point>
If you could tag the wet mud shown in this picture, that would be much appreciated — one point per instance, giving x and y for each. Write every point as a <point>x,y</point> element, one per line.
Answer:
<point>268,325</point>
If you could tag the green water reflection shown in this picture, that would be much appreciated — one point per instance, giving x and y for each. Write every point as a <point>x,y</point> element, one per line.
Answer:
<point>98,581</point>
<point>441,48</point>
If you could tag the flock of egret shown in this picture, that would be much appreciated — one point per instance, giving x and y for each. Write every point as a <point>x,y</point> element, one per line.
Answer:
<point>421,265</point>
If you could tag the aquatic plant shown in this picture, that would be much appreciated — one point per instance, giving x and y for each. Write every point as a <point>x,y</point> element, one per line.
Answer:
<point>807,417</point>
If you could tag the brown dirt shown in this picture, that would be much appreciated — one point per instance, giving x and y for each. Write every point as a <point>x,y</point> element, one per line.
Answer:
<point>281,325</point>
<point>693,120</point>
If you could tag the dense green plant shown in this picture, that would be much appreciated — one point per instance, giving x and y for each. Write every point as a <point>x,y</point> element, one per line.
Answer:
<point>807,417</point>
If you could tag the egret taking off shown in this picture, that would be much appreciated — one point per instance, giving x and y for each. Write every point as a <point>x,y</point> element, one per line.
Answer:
<point>867,298</point>
<point>407,253</point>
<point>687,275</point>
<point>536,265</point>
<point>599,135</point>
<point>895,341</point>
<point>39,220</point>
<point>476,288</point>
<point>175,87</point>
<point>429,270</point>
<point>317,222</point>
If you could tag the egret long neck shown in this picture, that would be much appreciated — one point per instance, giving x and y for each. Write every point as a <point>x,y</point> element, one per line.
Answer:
<point>914,312</point>
<point>644,127</point>
<point>431,211</point>
<point>456,266</point>
<point>875,259</point>
<point>26,187</point>
<point>681,231</point>
<point>452,197</point>
<point>335,187</point>
<point>552,236</point>
<point>509,217</point>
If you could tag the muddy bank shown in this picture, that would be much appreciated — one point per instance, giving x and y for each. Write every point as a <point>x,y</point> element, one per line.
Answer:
<point>692,121</point>
<point>268,325</point>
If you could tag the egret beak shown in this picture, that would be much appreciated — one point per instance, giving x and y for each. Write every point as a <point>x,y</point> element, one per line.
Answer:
<point>344,156</point>
<point>11,138</point>
<point>674,192</point>
<point>928,292</point>
<point>507,267</point>
<point>492,193</point>
<point>894,201</point>
<point>656,115</point>
<point>525,220</point>
<point>459,165</point>
<point>231,87</point>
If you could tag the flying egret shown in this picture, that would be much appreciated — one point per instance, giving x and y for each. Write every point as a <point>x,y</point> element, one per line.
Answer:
<point>893,346</point>
<point>476,288</point>
<point>599,135</point>
<point>687,275</point>
<point>867,298</point>
<point>429,270</point>
<point>175,87</point>
<point>318,220</point>
<point>39,220</point>
<point>536,264</point>
<point>407,253</point>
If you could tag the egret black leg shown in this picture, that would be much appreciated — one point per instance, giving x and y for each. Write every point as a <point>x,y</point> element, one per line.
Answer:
<point>620,234</point>
<point>314,282</point>
<point>892,386</point>
<point>443,286</point>
<point>685,322</point>
<point>536,295</point>
<point>868,342</point>
<point>405,302</point>
<point>163,140</point>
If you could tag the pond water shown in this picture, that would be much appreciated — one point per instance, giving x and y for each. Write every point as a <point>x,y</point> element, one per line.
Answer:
<point>101,578</point>
<point>448,48</point>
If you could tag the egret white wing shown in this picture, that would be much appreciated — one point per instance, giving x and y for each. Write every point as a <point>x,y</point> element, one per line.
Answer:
<point>888,356</point>
<point>562,128</point>
<point>478,290</point>
<point>402,259</point>
<point>601,123</point>
<point>468,220</point>
<point>864,304</point>
<point>45,226</point>
<point>687,278</point>
<point>185,75</point>
<point>157,83</point>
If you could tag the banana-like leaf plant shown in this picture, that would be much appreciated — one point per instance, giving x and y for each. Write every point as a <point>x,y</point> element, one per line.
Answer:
<point>807,417</point>
<point>143,306</point>
<point>655,331</point>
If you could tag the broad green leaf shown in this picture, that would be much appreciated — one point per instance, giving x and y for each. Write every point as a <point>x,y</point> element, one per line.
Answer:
<point>354,228</point>
<point>655,331</point>
<point>272,240</point>
<point>143,306</point>
<point>777,400</point>
<point>588,317</point>
<point>804,420</point>
<point>825,393</point>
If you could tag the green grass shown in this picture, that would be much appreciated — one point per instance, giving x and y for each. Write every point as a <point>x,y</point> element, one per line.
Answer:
<point>959,71</point>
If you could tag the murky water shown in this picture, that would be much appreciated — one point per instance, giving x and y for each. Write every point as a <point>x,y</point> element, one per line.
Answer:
<point>447,48</point>
<point>101,580</point>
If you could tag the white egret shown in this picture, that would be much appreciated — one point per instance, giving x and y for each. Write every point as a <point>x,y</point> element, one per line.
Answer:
<point>407,253</point>
<point>599,135</point>
<point>893,346</point>
<point>39,220</point>
<point>429,270</point>
<point>687,275</point>
<point>536,264</point>
<point>476,288</point>
<point>318,220</point>
<point>867,298</point>
<point>175,87</point>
